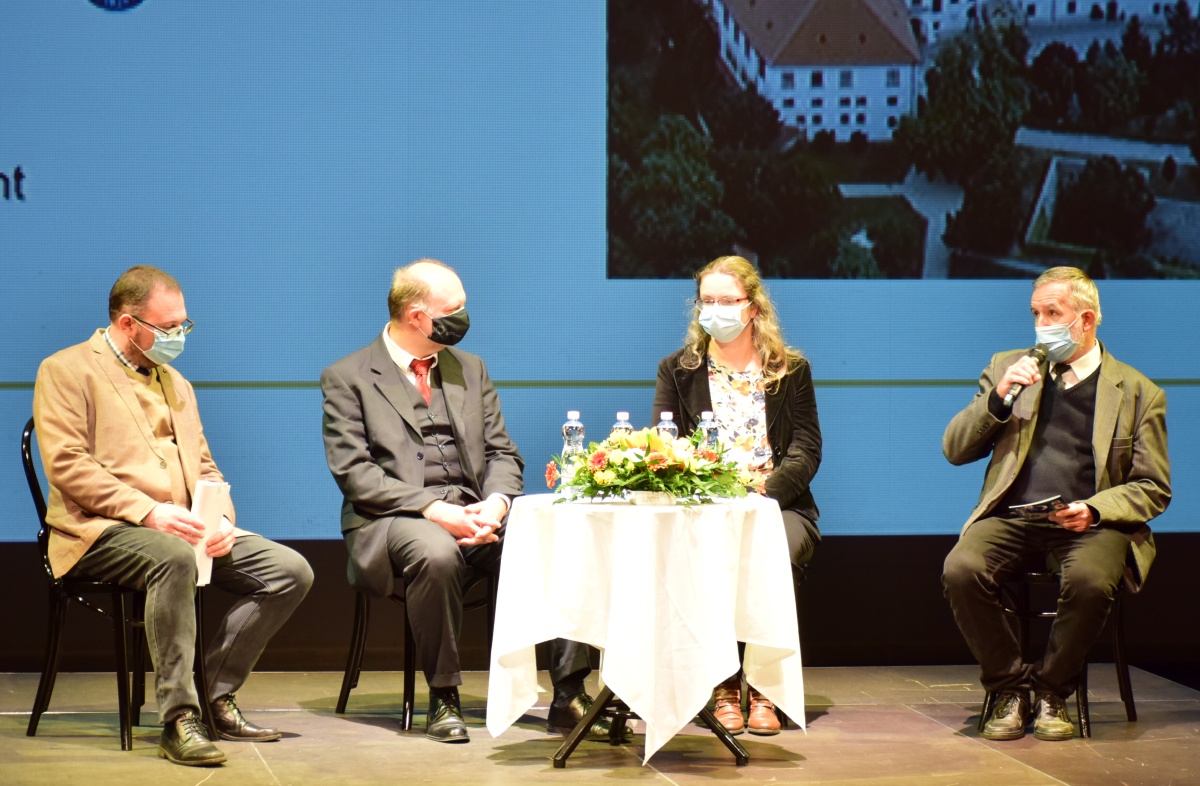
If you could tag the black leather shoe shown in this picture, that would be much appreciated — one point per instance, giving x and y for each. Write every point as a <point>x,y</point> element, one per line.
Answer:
<point>1009,717</point>
<point>1051,722</point>
<point>445,723</point>
<point>232,725</point>
<point>183,741</point>
<point>565,716</point>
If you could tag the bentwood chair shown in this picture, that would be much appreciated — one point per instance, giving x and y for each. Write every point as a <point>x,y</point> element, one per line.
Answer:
<point>358,638</point>
<point>1016,598</point>
<point>125,610</point>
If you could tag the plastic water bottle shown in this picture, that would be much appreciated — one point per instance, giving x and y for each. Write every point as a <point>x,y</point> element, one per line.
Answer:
<point>708,428</point>
<point>622,426</point>
<point>572,450</point>
<point>666,427</point>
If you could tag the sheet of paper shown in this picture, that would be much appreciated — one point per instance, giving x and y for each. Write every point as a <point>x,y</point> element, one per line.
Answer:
<point>208,504</point>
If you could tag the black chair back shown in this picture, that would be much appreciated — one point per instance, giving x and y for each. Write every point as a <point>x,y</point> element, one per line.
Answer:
<point>39,499</point>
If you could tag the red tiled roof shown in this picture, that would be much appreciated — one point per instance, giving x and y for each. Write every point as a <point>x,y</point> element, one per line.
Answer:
<point>827,32</point>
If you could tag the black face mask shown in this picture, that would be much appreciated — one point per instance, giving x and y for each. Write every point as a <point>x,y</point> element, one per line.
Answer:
<point>450,329</point>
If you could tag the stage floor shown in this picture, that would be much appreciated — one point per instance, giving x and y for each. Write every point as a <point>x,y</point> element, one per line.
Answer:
<point>883,725</point>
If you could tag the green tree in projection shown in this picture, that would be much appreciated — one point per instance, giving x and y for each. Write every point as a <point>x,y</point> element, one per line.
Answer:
<point>779,199</point>
<point>1106,207</point>
<point>1052,86</point>
<point>992,211</point>
<point>977,98</point>
<point>1108,86</point>
<point>898,248</point>
<point>671,200</point>
<point>1178,52</point>
<point>853,261</point>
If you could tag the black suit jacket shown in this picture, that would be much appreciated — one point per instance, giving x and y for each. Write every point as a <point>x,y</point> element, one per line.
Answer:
<point>793,429</point>
<point>374,447</point>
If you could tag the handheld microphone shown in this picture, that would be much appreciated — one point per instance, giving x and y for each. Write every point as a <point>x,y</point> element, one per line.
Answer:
<point>1038,353</point>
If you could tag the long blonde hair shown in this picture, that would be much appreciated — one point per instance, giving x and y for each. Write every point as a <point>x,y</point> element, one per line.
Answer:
<point>777,358</point>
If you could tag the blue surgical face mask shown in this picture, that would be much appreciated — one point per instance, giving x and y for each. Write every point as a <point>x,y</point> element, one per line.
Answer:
<point>1060,344</point>
<point>165,349</point>
<point>723,323</point>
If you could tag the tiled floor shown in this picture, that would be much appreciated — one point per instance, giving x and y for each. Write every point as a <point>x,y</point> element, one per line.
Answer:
<point>902,725</point>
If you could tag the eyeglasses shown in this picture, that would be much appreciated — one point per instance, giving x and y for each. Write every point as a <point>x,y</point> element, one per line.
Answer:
<point>703,302</point>
<point>181,330</point>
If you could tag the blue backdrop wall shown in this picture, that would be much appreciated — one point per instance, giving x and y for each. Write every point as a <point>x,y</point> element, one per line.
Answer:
<point>282,158</point>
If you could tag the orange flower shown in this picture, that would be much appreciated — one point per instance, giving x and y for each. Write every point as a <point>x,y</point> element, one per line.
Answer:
<point>597,461</point>
<point>709,455</point>
<point>551,474</point>
<point>656,461</point>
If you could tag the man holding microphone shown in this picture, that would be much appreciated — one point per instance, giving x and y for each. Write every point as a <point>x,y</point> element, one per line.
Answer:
<point>1088,445</point>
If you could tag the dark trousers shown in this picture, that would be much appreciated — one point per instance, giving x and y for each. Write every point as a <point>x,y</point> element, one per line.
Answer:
<point>993,549</point>
<point>270,580</point>
<point>432,565</point>
<point>802,537</point>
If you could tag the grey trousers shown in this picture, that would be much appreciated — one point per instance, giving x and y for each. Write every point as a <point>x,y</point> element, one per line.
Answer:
<point>432,564</point>
<point>270,580</point>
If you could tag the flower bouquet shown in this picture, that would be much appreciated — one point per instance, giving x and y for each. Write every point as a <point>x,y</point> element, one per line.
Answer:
<point>643,461</point>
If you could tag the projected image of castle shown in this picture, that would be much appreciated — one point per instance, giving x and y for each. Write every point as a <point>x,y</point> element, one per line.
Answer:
<point>904,138</point>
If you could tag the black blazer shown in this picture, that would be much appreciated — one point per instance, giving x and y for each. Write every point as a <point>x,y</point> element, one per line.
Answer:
<point>793,429</point>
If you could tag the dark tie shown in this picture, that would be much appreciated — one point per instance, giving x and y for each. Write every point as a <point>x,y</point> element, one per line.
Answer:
<point>420,368</point>
<point>1060,371</point>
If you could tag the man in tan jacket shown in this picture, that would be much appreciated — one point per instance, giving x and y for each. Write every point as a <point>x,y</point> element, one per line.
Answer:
<point>1077,464</point>
<point>123,449</point>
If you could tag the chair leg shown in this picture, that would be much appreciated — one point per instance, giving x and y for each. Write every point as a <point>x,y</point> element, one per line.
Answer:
<point>989,702</point>
<point>358,640</point>
<point>121,642</point>
<point>1081,704</point>
<point>200,670</point>
<point>1123,682</point>
<point>410,673</point>
<point>137,648</point>
<point>56,620</point>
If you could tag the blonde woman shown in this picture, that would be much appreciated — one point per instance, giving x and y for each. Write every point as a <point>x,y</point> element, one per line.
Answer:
<point>735,364</point>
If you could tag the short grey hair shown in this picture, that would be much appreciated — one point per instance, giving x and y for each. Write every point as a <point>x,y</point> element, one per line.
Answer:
<point>1084,294</point>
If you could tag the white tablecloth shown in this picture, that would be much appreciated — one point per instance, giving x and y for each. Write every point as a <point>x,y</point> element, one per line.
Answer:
<point>665,591</point>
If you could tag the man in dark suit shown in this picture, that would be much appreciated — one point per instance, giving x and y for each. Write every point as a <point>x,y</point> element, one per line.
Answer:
<point>1094,435</point>
<point>416,442</point>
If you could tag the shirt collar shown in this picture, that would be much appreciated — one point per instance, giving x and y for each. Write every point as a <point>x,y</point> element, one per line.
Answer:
<point>126,362</point>
<point>399,356</point>
<point>1085,366</point>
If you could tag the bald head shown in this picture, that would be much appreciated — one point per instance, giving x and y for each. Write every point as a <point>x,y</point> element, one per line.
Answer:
<point>421,292</point>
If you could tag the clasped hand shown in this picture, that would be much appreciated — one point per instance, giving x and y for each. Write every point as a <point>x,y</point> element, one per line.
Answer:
<point>471,525</point>
<point>182,523</point>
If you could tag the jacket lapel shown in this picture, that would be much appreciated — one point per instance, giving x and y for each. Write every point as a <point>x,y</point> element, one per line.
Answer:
<point>391,384</point>
<point>694,392</point>
<point>186,438</point>
<point>1109,393</point>
<point>115,372</point>
<point>454,388</point>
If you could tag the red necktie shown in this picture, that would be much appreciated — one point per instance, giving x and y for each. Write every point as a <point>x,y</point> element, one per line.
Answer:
<point>421,369</point>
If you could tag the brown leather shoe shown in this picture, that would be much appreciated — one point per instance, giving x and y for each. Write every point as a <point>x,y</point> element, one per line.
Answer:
<point>1051,722</point>
<point>1009,716</point>
<point>727,706</point>
<point>763,718</point>
<point>232,725</point>
<point>184,741</point>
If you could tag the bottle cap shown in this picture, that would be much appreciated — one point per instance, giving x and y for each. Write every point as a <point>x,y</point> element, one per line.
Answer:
<point>572,414</point>
<point>706,414</point>
<point>668,416</point>
<point>622,416</point>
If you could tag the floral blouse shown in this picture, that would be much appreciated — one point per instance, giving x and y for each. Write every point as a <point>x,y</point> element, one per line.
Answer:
<point>740,407</point>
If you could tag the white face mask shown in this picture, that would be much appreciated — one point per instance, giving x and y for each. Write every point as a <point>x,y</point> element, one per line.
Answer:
<point>723,323</point>
<point>1060,344</point>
